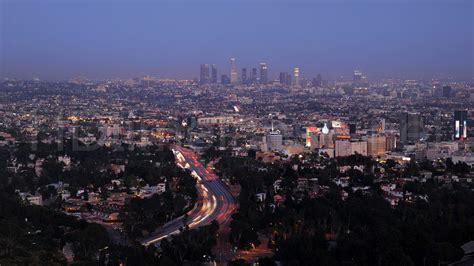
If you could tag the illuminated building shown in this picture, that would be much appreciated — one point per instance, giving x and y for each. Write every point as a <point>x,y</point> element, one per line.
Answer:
<point>218,120</point>
<point>390,142</point>
<point>296,77</point>
<point>357,77</point>
<point>311,136</point>
<point>274,140</point>
<point>326,138</point>
<point>348,147</point>
<point>381,126</point>
<point>376,145</point>
<point>460,125</point>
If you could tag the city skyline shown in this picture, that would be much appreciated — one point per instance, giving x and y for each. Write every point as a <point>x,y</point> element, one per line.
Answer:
<point>237,132</point>
<point>167,40</point>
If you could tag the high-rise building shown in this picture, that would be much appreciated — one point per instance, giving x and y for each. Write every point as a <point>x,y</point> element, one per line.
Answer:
<point>233,71</point>
<point>244,76</point>
<point>263,73</point>
<point>213,74</point>
<point>312,136</point>
<point>357,77</point>
<point>411,127</point>
<point>274,140</point>
<point>381,126</point>
<point>319,80</point>
<point>447,91</point>
<point>376,145</point>
<point>296,77</point>
<point>348,147</point>
<point>460,125</point>
<point>204,77</point>
<point>283,78</point>
<point>253,75</point>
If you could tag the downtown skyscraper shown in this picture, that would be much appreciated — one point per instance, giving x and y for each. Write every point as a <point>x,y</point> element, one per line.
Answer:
<point>253,76</point>
<point>244,76</point>
<point>204,74</point>
<point>213,74</point>
<point>263,73</point>
<point>296,77</point>
<point>233,71</point>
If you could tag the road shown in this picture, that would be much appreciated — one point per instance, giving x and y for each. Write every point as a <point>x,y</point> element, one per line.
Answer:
<point>214,201</point>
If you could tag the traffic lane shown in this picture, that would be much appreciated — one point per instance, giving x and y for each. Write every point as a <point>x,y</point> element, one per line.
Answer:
<point>177,223</point>
<point>220,208</point>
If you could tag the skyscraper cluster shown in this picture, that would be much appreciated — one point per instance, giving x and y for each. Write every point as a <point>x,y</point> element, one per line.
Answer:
<point>260,75</point>
<point>208,74</point>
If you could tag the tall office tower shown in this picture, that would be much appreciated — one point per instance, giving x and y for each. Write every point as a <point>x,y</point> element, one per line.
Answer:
<point>446,91</point>
<point>288,80</point>
<point>283,78</point>
<point>233,71</point>
<point>263,73</point>
<point>296,77</point>
<point>204,74</point>
<point>411,127</point>
<point>213,74</point>
<point>319,80</point>
<point>357,77</point>
<point>460,125</point>
<point>244,76</point>
<point>253,75</point>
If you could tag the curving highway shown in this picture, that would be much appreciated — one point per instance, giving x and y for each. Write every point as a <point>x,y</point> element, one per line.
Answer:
<point>214,201</point>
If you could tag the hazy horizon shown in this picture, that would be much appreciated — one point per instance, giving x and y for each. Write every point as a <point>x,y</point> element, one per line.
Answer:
<point>105,39</point>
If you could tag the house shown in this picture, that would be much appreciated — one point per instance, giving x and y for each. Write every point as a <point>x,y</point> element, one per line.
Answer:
<point>148,191</point>
<point>36,199</point>
<point>260,197</point>
<point>277,185</point>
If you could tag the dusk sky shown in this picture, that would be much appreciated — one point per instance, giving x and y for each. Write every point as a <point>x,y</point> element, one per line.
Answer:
<point>108,39</point>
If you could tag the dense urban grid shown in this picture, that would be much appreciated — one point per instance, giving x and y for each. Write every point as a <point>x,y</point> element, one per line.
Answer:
<point>251,167</point>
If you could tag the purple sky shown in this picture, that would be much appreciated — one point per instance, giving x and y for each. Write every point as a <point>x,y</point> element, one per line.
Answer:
<point>108,39</point>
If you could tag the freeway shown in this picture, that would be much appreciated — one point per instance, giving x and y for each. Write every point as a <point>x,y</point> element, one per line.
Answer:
<point>214,201</point>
